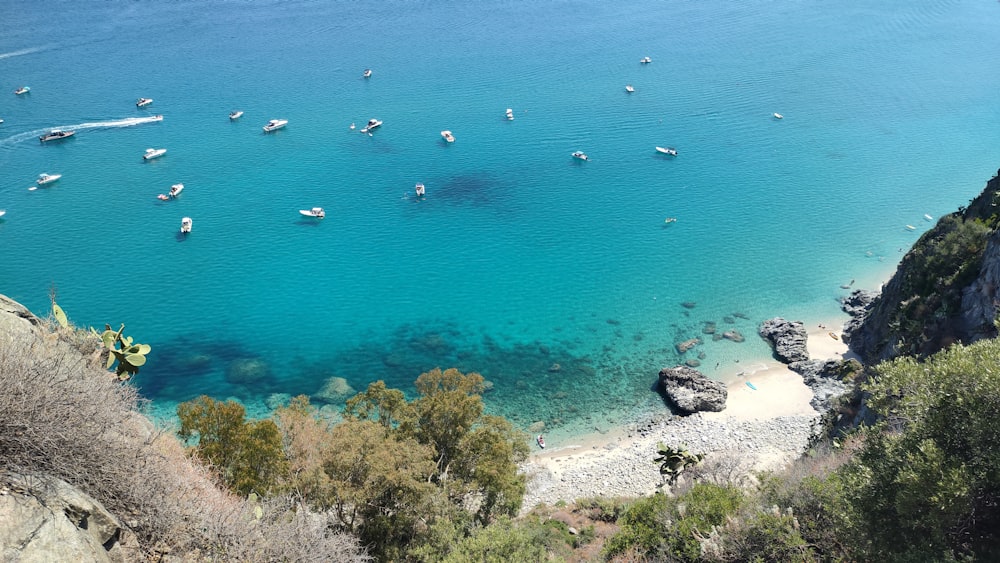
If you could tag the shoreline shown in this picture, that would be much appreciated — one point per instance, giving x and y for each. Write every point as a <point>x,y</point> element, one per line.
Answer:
<point>761,428</point>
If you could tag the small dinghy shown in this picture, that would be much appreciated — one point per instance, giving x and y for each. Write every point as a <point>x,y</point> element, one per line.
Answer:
<point>541,441</point>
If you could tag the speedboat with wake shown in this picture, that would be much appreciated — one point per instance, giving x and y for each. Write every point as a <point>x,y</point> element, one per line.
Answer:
<point>186,224</point>
<point>154,153</point>
<point>671,151</point>
<point>448,137</point>
<point>316,212</point>
<point>275,124</point>
<point>55,135</point>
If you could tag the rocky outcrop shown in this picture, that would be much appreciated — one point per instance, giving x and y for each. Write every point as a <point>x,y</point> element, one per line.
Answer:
<point>828,379</point>
<point>45,519</point>
<point>16,319</point>
<point>787,338</point>
<point>946,289</point>
<point>690,391</point>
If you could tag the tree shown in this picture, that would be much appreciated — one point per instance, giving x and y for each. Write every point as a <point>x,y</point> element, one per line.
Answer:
<point>925,482</point>
<point>249,456</point>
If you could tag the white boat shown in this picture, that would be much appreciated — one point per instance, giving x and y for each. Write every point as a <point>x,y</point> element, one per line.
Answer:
<point>778,116</point>
<point>3,212</point>
<point>153,153</point>
<point>420,189</point>
<point>372,125</point>
<point>186,224</point>
<point>510,114</point>
<point>316,212</point>
<point>580,155</point>
<point>275,124</point>
<point>910,228</point>
<point>55,135</point>
<point>541,441</point>
<point>367,73</point>
<point>235,114</point>
<point>928,217</point>
<point>143,102</point>
<point>629,88</point>
<point>667,150</point>
<point>448,137</point>
<point>670,220</point>
<point>22,90</point>
<point>645,60</point>
<point>44,178</point>
<point>175,190</point>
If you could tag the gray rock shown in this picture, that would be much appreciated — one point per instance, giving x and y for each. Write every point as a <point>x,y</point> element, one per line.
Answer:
<point>788,338</point>
<point>690,391</point>
<point>44,519</point>
<point>823,377</point>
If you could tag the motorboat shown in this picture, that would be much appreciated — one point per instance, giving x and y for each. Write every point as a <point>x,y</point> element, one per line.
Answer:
<point>156,117</point>
<point>629,88</point>
<point>55,135</point>
<point>372,125</point>
<point>510,114</point>
<point>275,124</point>
<point>175,190</point>
<point>541,441</point>
<point>22,90</point>
<point>143,102</point>
<point>667,150</point>
<point>3,212</point>
<point>316,212</point>
<point>669,220</point>
<point>645,60</point>
<point>910,228</point>
<point>580,155</point>
<point>235,114</point>
<point>928,217</point>
<point>44,178</point>
<point>186,224</point>
<point>367,73</point>
<point>778,115</point>
<point>153,153</point>
<point>448,137</point>
<point>420,189</point>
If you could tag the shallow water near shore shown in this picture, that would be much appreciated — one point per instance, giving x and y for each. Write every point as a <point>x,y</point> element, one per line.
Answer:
<point>557,279</point>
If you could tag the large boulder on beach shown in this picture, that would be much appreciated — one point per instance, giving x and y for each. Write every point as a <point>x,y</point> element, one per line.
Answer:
<point>690,391</point>
<point>828,379</point>
<point>787,338</point>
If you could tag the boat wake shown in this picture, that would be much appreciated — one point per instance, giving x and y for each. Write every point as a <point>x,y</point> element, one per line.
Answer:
<point>22,52</point>
<point>30,135</point>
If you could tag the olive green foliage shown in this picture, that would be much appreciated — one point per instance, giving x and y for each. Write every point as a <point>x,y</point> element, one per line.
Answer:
<point>248,455</point>
<point>938,268</point>
<point>821,512</point>
<point>669,528</point>
<point>927,483</point>
<point>503,541</point>
<point>403,474</point>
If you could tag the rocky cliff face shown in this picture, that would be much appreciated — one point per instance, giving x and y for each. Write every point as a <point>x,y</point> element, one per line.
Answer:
<point>944,291</point>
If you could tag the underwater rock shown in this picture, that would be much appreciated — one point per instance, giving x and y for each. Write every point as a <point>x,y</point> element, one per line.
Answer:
<point>689,304</point>
<point>709,327</point>
<point>537,426</point>
<point>277,400</point>
<point>335,389</point>
<point>733,335</point>
<point>247,371</point>
<point>692,363</point>
<point>554,368</point>
<point>687,345</point>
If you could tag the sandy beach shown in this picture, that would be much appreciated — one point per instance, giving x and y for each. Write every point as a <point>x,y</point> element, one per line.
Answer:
<point>763,427</point>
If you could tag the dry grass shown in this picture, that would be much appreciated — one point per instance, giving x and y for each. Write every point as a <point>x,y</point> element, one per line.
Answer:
<point>64,416</point>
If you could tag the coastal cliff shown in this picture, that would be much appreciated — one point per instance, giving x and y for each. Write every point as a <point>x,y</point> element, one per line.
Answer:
<point>945,289</point>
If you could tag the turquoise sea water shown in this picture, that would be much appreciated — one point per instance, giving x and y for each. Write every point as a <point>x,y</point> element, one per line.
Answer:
<point>556,279</point>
